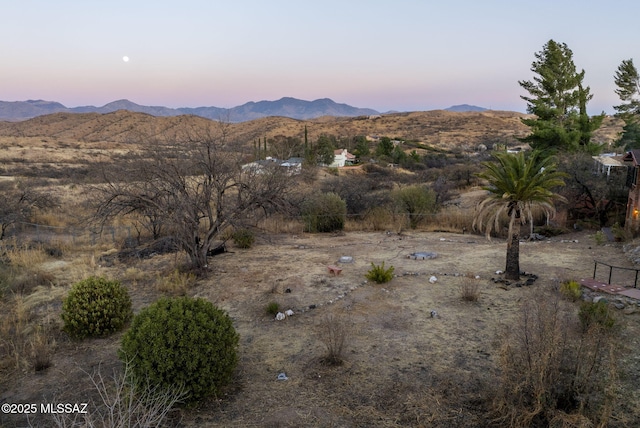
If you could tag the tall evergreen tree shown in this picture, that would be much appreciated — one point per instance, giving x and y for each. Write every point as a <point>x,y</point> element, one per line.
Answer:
<point>384,147</point>
<point>627,80</point>
<point>324,149</point>
<point>558,100</point>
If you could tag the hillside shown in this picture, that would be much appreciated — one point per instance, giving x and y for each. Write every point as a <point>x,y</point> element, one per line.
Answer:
<point>436,128</point>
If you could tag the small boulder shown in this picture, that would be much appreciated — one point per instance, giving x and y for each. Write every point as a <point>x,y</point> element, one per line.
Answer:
<point>282,376</point>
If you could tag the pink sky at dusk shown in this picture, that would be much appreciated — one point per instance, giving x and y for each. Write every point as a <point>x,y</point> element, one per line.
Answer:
<point>404,56</point>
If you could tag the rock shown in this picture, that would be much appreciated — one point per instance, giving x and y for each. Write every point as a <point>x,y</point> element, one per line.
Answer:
<point>619,305</point>
<point>280,316</point>
<point>288,312</point>
<point>600,299</point>
<point>434,314</point>
<point>499,272</point>
<point>433,279</point>
<point>282,376</point>
<point>630,310</point>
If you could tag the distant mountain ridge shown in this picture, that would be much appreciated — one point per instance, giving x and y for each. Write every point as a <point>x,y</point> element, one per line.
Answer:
<point>465,108</point>
<point>14,111</point>
<point>286,107</point>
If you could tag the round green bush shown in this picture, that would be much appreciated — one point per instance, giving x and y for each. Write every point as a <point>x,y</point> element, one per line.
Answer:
<point>182,341</point>
<point>324,212</point>
<point>96,307</point>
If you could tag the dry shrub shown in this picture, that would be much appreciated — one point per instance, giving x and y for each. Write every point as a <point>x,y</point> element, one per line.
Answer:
<point>25,256</point>
<point>42,344</point>
<point>553,373</point>
<point>134,274</point>
<point>124,404</point>
<point>280,224</point>
<point>176,283</point>
<point>27,281</point>
<point>379,218</point>
<point>470,289</point>
<point>50,218</point>
<point>25,343</point>
<point>14,339</point>
<point>452,219</point>
<point>333,332</point>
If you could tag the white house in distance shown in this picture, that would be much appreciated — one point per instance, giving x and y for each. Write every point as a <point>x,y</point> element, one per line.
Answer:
<point>342,157</point>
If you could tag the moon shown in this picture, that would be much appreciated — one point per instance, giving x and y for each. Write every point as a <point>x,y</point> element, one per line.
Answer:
<point>125,58</point>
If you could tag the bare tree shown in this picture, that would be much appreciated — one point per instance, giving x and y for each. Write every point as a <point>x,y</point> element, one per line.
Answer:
<point>18,201</point>
<point>196,188</point>
<point>285,147</point>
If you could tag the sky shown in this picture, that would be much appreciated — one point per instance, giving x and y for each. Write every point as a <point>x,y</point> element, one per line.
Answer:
<point>402,55</point>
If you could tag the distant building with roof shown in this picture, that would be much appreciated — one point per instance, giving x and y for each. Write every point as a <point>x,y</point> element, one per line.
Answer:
<point>342,157</point>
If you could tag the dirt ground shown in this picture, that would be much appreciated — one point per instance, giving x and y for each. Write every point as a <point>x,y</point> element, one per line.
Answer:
<point>403,366</point>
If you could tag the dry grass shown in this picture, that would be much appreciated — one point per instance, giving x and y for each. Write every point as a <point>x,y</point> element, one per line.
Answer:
<point>175,283</point>
<point>333,331</point>
<point>452,219</point>
<point>470,288</point>
<point>27,337</point>
<point>25,256</point>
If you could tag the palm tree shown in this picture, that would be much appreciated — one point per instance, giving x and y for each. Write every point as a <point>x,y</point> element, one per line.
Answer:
<point>517,185</point>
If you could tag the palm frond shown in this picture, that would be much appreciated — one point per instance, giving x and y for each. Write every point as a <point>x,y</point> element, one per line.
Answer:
<point>517,185</point>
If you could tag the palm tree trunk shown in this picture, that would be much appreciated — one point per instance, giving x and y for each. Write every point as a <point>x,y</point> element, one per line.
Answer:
<point>512,269</point>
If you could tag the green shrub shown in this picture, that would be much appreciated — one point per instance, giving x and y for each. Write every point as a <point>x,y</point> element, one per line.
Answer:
<point>379,274</point>
<point>324,212</point>
<point>96,307</point>
<point>182,341</point>
<point>273,308</point>
<point>571,289</point>
<point>600,237</point>
<point>596,314</point>
<point>243,238</point>
<point>415,202</point>
<point>619,233</point>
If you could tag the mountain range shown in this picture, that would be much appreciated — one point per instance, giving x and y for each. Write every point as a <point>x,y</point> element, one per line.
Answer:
<point>287,107</point>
